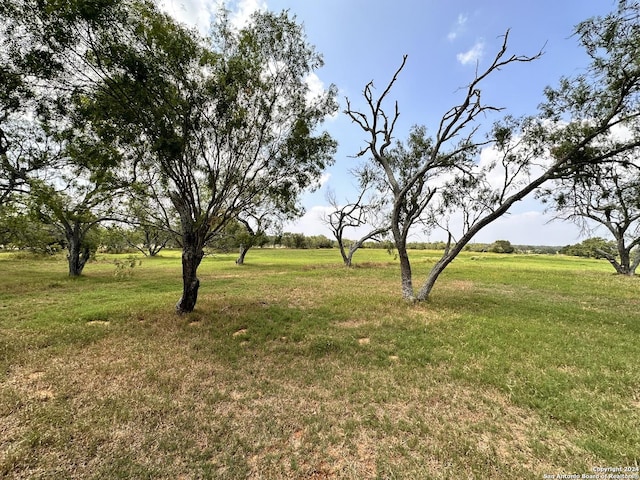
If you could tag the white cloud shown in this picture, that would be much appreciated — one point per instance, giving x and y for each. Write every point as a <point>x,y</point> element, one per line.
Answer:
<point>458,28</point>
<point>241,10</point>
<point>311,223</point>
<point>200,13</point>
<point>472,55</point>
<point>316,86</point>
<point>194,13</point>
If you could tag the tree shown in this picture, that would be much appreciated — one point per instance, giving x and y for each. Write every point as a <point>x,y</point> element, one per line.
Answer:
<point>596,247</point>
<point>49,153</point>
<point>366,209</point>
<point>240,236</point>
<point>152,223</point>
<point>43,48</point>
<point>606,195</point>
<point>410,170</point>
<point>254,223</point>
<point>224,126</point>
<point>501,246</point>
<point>572,131</point>
<point>19,229</point>
<point>294,240</point>
<point>78,196</point>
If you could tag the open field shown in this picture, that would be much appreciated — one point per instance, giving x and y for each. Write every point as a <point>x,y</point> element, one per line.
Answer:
<point>295,367</point>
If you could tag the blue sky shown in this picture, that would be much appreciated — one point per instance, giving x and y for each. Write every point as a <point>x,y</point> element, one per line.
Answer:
<point>364,40</point>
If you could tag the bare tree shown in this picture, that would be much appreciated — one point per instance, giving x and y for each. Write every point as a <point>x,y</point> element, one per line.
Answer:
<point>434,177</point>
<point>411,170</point>
<point>366,210</point>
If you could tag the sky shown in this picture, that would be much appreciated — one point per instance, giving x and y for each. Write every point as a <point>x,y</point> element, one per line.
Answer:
<point>445,41</point>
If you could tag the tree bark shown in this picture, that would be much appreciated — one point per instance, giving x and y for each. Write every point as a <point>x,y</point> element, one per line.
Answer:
<point>624,266</point>
<point>192,255</point>
<point>625,258</point>
<point>634,265</point>
<point>242,254</point>
<point>78,254</point>
<point>405,273</point>
<point>346,259</point>
<point>435,272</point>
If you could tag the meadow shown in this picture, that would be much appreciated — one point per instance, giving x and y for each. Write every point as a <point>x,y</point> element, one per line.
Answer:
<point>293,366</point>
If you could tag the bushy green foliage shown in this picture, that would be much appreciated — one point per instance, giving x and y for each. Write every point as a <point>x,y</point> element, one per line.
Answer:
<point>20,230</point>
<point>113,239</point>
<point>596,247</point>
<point>501,246</point>
<point>125,266</point>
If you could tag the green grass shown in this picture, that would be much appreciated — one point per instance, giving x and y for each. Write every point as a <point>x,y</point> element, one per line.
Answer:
<point>295,367</point>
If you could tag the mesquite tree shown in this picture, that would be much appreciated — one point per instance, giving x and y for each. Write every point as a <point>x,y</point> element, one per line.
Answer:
<point>608,196</point>
<point>367,210</point>
<point>226,122</point>
<point>83,191</point>
<point>413,169</point>
<point>430,178</point>
<point>255,221</point>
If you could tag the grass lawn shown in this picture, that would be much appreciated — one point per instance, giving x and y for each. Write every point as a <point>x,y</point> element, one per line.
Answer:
<point>294,367</point>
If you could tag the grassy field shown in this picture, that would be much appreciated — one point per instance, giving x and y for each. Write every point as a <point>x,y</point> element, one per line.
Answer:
<point>294,367</point>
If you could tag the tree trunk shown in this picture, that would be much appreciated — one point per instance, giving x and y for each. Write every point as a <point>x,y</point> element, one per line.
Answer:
<point>242,254</point>
<point>634,265</point>
<point>348,259</point>
<point>625,258</point>
<point>400,239</point>
<point>405,273</point>
<point>345,258</point>
<point>449,256</point>
<point>192,255</point>
<point>78,254</point>
<point>435,272</point>
<point>624,266</point>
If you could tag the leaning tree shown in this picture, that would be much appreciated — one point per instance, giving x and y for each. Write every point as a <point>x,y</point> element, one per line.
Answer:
<point>415,171</point>
<point>429,178</point>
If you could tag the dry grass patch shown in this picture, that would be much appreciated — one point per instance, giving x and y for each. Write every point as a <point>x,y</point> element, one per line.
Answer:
<point>165,408</point>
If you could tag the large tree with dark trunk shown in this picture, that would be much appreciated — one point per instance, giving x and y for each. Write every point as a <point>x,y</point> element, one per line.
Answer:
<point>225,122</point>
<point>75,197</point>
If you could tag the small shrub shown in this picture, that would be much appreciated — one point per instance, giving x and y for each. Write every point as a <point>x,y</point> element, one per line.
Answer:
<point>124,268</point>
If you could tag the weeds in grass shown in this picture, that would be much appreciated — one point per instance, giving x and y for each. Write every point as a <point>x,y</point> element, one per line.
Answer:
<point>125,266</point>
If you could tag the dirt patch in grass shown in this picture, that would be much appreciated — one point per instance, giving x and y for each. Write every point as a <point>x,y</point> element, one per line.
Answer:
<point>354,323</point>
<point>460,285</point>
